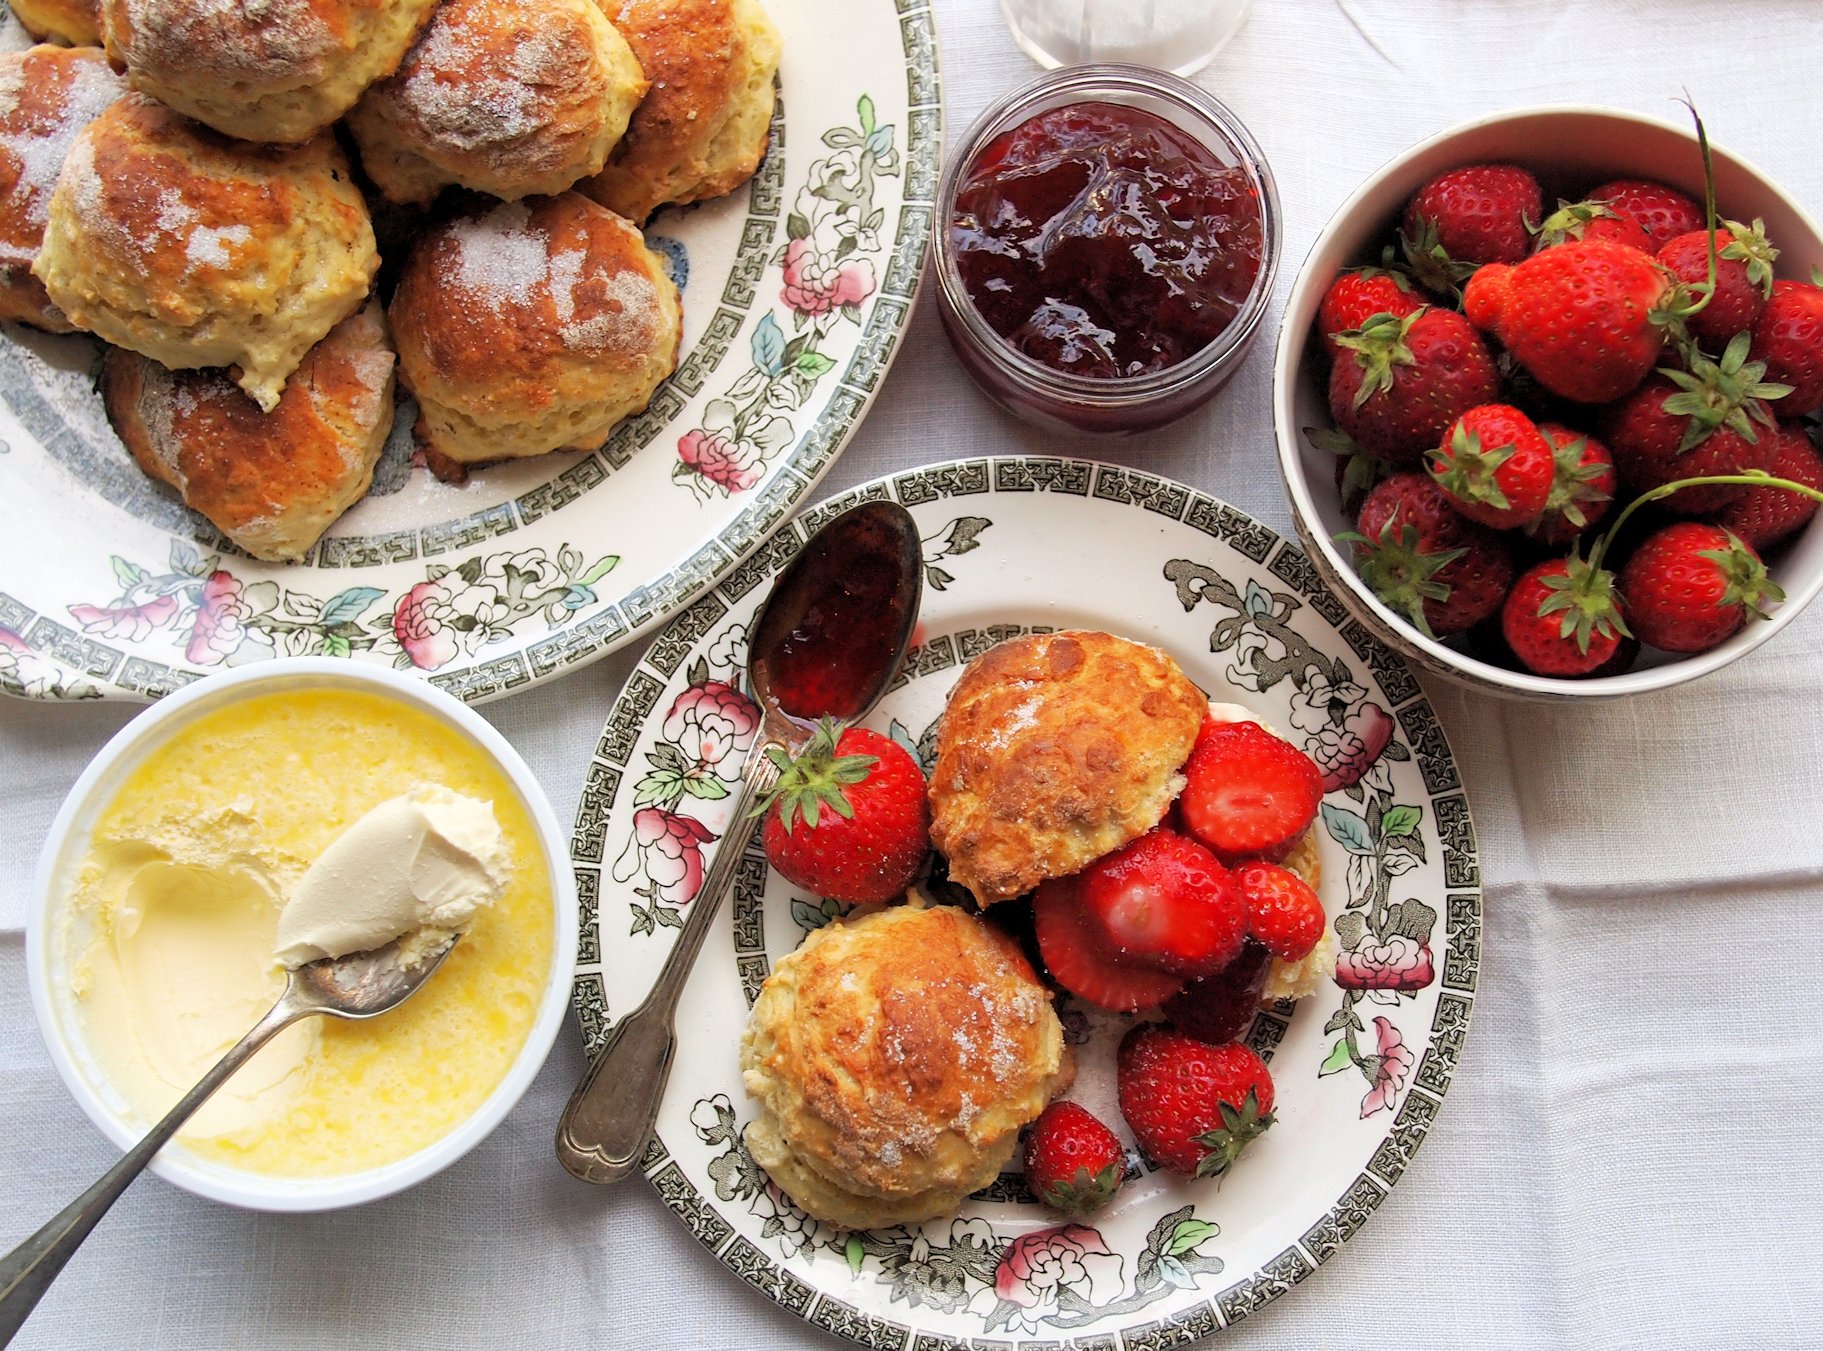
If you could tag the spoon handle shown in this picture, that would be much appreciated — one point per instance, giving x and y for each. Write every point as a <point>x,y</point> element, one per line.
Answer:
<point>28,1270</point>
<point>603,1132</point>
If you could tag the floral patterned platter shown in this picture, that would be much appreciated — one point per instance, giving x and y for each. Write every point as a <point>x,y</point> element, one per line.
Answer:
<point>1012,545</point>
<point>796,290</point>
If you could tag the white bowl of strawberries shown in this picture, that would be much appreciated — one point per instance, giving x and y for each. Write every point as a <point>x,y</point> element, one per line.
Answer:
<point>1502,351</point>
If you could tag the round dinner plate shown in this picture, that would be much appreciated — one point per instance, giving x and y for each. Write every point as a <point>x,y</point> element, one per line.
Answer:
<point>796,289</point>
<point>1013,545</point>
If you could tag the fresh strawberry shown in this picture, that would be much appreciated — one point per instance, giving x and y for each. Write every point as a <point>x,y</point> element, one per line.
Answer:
<point>848,818</point>
<point>1762,517</point>
<point>1788,338</point>
<point>1495,466</point>
<point>1586,318</point>
<point>1562,617</point>
<point>1283,912</point>
<point>1743,279</point>
<point>1076,956</point>
<point>1164,901</point>
<point>1662,212</point>
<point>1691,585</point>
<point>1481,213</point>
<point>1193,1107</point>
<point>1428,562</point>
<point>1220,1008</point>
<point>1073,1163</point>
<point>1582,485</point>
<point>1357,296</point>
<point>1248,793</point>
<point>1681,424</point>
<point>1400,381</point>
<point>1592,220</point>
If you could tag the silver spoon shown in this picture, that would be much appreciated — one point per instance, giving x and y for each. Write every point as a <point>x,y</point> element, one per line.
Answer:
<point>359,985</point>
<point>826,643</point>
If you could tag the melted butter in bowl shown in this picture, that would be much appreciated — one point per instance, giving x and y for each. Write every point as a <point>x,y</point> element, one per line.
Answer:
<point>171,925</point>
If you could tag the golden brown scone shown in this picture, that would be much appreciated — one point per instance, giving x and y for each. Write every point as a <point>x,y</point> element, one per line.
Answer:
<point>509,97</point>
<point>1054,750</point>
<point>263,70</point>
<point>895,1055</point>
<point>76,23</point>
<point>702,129</point>
<point>197,250</point>
<point>47,96</point>
<point>532,326</point>
<point>271,482</point>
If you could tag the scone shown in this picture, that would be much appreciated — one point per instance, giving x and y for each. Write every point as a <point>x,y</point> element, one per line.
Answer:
<point>895,1056</point>
<point>263,70</point>
<point>531,327</point>
<point>1056,749</point>
<point>197,250</point>
<point>509,97</point>
<point>701,131</point>
<point>271,482</point>
<point>74,22</point>
<point>47,96</point>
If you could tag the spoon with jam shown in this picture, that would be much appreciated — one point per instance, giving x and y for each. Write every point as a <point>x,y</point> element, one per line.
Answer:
<point>826,643</point>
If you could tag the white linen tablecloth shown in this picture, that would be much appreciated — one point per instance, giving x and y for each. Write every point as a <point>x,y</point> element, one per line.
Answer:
<point>1630,1154</point>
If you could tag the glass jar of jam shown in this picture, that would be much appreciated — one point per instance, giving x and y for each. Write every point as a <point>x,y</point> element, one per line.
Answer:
<point>1104,249</point>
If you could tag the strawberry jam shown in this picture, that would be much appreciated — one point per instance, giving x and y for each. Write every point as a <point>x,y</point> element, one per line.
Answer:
<point>1104,241</point>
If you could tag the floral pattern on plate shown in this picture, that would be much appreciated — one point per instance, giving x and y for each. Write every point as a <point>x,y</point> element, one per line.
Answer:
<point>1361,1070</point>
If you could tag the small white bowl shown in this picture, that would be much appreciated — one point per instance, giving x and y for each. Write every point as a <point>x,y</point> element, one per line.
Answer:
<point>59,1021</point>
<point>1570,146</point>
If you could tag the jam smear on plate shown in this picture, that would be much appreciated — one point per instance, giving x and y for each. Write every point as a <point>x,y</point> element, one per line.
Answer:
<point>1104,241</point>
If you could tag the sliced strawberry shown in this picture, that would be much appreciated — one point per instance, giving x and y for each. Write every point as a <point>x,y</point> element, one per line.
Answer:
<point>1283,912</point>
<point>1248,794</point>
<point>1164,901</point>
<point>1073,953</point>
<point>1220,1008</point>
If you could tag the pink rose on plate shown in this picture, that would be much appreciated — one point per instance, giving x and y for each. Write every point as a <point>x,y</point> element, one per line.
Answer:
<point>718,459</point>
<point>1035,1268</point>
<point>134,623</point>
<point>1400,963</point>
<point>218,629</point>
<point>668,848</point>
<point>815,283</point>
<point>421,625</point>
<point>710,722</point>
<point>1346,753</point>
<point>1391,1066</point>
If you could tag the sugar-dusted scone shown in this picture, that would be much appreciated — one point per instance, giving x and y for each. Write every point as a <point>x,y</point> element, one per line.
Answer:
<point>271,482</point>
<point>895,1056</point>
<point>509,97</point>
<point>701,131</point>
<point>1056,749</point>
<point>47,96</point>
<point>198,250</point>
<point>262,70</point>
<point>76,23</point>
<point>532,326</point>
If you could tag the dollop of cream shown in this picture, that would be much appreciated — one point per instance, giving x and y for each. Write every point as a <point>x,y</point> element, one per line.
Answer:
<point>423,862</point>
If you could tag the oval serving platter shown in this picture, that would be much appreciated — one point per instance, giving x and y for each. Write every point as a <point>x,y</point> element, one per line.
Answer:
<point>796,289</point>
<point>1013,545</point>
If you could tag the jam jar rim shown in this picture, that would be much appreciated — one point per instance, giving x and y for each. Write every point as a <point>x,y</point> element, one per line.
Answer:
<point>1084,82</point>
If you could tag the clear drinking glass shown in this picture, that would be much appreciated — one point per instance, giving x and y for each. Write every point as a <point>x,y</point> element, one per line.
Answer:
<point>1175,35</point>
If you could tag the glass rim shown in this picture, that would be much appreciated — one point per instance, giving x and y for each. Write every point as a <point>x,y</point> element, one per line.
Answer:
<point>1117,79</point>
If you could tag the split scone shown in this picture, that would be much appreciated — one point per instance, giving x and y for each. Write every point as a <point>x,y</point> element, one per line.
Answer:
<point>197,250</point>
<point>271,482</point>
<point>895,1056</point>
<point>1055,749</point>
<point>532,326</point>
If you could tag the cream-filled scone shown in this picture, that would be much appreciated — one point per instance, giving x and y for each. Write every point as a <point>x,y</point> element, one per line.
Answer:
<point>894,1057</point>
<point>509,97</point>
<point>532,326</point>
<point>1055,749</point>
<point>197,250</point>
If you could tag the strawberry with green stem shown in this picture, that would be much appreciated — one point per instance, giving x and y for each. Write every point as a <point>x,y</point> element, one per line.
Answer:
<point>1192,1107</point>
<point>1425,560</point>
<point>1495,466</point>
<point>1582,485</point>
<point>1073,1163</point>
<point>1592,220</point>
<point>1462,218</point>
<point>1743,278</point>
<point>1401,381</point>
